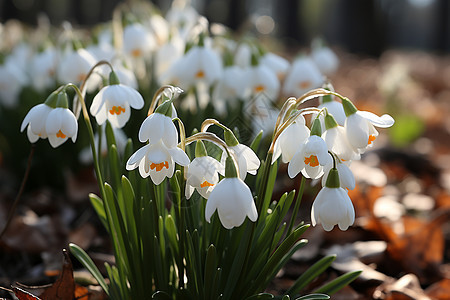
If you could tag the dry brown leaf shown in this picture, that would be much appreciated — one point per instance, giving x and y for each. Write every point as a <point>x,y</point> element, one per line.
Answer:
<point>439,290</point>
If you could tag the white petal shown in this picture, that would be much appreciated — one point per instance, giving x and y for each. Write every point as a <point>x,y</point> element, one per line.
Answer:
<point>296,164</point>
<point>384,121</point>
<point>179,156</point>
<point>136,158</point>
<point>98,101</point>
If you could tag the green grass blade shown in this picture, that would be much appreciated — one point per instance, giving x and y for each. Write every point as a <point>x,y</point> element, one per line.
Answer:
<point>338,283</point>
<point>310,274</point>
<point>87,262</point>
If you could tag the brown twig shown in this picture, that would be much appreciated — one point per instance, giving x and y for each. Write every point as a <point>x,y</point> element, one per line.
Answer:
<point>19,194</point>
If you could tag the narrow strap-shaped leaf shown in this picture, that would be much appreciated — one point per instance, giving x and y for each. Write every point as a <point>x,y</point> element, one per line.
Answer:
<point>238,262</point>
<point>314,297</point>
<point>336,284</point>
<point>310,274</point>
<point>160,295</point>
<point>256,141</point>
<point>260,296</point>
<point>279,253</point>
<point>210,270</point>
<point>171,231</point>
<point>87,262</point>
<point>97,203</point>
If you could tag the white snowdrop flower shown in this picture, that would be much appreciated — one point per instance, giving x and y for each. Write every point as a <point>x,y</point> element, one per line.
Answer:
<point>202,173</point>
<point>167,54</point>
<point>359,126</point>
<point>332,205</point>
<point>182,16</point>
<point>126,76</point>
<point>247,160</point>
<point>75,66</point>
<point>311,156</point>
<point>158,126</point>
<point>243,56</point>
<point>290,140</point>
<point>232,199</point>
<point>35,120</point>
<point>229,88</point>
<point>279,65</point>
<point>201,64</point>
<point>157,161</point>
<point>260,79</point>
<point>336,138</point>
<point>303,76</point>
<point>61,124</point>
<point>346,177</point>
<point>43,69</point>
<point>114,103</point>
<point>334,108</point>
<point>138,43</point>
<point>12,80</point>
<point>325,59</point>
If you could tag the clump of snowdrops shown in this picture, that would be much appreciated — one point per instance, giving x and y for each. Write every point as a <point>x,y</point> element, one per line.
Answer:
<point>192,216</point>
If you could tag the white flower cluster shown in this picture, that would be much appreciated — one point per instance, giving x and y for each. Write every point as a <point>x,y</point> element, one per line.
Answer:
<point>180,50</point>
<point>316,153</point>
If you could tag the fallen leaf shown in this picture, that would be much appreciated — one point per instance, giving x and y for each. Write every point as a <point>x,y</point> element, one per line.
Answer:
<point>64,287</point>
<point>439,290</point>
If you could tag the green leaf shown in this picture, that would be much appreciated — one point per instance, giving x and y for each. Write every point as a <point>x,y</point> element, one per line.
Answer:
<point>310,274</point>
<point>87,262</point>
<point>314,297</point>
<point>338,283</point>
<point>210,271</point>
<point>278,255</point>
<point>97,203</point>
<point>256,141</point>
<point>172,235</point>
<point>160,295</point>
<point>261,296</point>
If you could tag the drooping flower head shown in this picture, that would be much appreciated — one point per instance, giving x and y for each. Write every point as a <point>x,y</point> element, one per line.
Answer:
<point>359,126</point>
<point>114,103</point>
<point>202,173</point>
<point>35,119</point>
<point>311,156</point>
<point>232,199</point>
<point>332,205</point>
<point>52,120</point>
<point>247,160</point>
<point>336,138</point>
<point>303,76</point>
<point>290,140</point>
<point>157,158</point>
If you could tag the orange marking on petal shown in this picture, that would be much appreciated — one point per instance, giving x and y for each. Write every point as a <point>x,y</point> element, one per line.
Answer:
<point>206,183</point>
<point>116,110</point>
<point>136,53</point>
<point>200,74</point>
<point>371,139</point>
<point>312,161</point>
<point>304,84</point>
<point>259,88</point>
<point>60,134</point>
<point>159,166</point>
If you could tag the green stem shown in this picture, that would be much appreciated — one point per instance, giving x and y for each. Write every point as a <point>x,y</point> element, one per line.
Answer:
<point>263,183</point>
<point>87,120</point>
<point>297,205</point>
